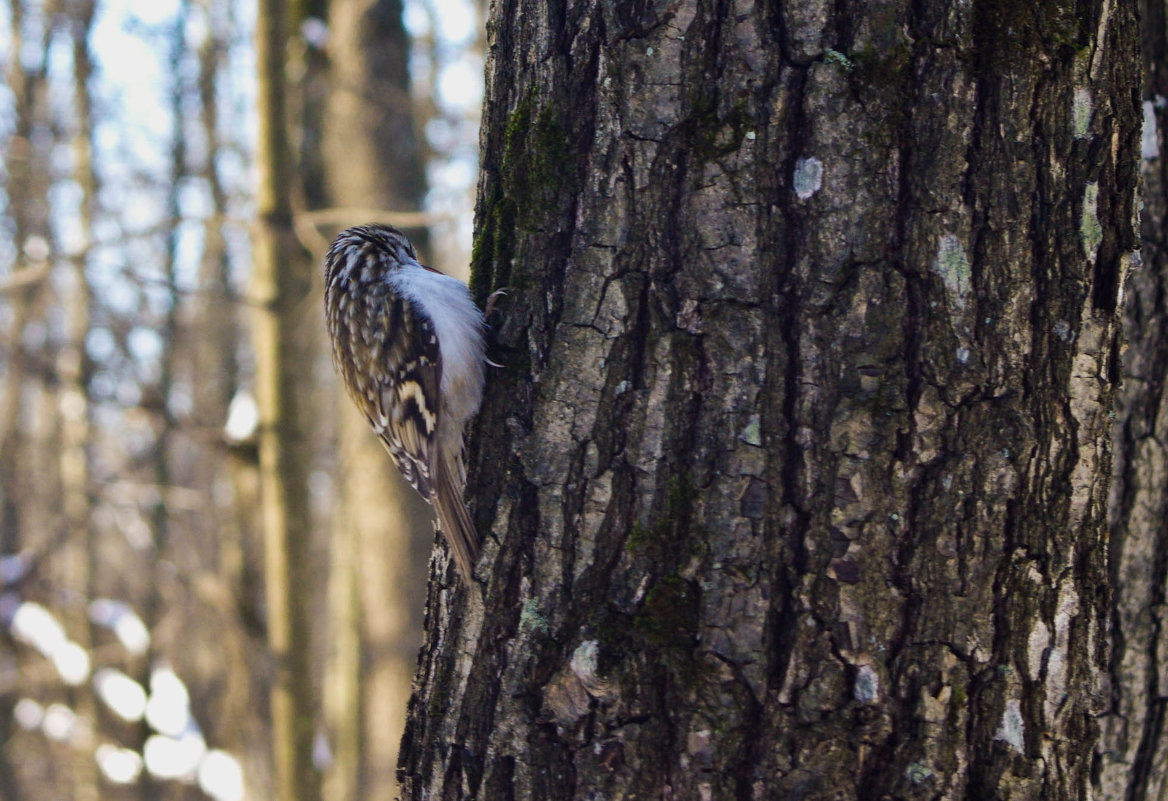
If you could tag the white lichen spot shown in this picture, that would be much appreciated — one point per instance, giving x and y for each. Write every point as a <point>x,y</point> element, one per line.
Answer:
<point>839,59</point>
<point>1013,728</point>
<point>583,662</point>
<point>1090,231</point>
<point>963,355</point>
<point>918,772</point>
<point>953,266</point>
<point>649,51</point>
<point>1062,330</point>
<point>867,687</point>
<point>752,434</point>
<point>1036,646</point>
<point>1149,137</point>
<point>530,618</point>
<point>1081,112</point>
<point>808,177</point>
<point>750,136</point>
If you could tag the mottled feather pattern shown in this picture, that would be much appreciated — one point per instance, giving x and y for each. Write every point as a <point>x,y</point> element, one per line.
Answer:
<point>408,343</point>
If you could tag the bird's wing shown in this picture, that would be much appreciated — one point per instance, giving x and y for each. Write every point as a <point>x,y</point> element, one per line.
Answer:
<point>405,411</point>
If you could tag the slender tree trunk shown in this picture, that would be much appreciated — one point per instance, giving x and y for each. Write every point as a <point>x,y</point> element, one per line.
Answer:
<point>1134,746</point>
<point>74,407</point>
<point>26,190</point>
<point>279,288</point>
<point>795,482</point>
<point>382,532</point>
<point>216,358</point>
<point>30,466</point>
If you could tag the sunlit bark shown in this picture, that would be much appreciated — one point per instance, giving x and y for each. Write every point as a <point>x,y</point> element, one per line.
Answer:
<point>794,482</point>
<point>279,288</point>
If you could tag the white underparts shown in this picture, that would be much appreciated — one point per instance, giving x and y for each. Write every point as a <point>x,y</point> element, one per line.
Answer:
<point>458,325</point>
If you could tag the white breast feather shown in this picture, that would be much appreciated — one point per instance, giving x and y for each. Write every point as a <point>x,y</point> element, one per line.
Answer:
<point>458,324</point>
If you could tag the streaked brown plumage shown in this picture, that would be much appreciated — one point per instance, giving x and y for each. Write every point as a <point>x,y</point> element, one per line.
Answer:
<point>407,340</point>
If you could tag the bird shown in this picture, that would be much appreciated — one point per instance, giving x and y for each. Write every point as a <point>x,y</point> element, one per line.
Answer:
<point>408,342</point>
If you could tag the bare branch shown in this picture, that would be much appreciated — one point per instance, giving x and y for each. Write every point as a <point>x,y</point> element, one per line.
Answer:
<point>25,278</point>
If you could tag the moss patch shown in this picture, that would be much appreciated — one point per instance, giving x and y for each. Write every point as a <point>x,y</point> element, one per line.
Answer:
<point>668,619</point>
<point>664,540</point>
<point>539,164</point>
<point>717,135</point>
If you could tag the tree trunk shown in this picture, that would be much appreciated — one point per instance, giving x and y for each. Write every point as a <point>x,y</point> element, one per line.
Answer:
<point>26,193</point>
<point>280,284</point>
<point>382,531</point>
<point>1134,745</point>
<point>794,483</point>
<point>77,555</point>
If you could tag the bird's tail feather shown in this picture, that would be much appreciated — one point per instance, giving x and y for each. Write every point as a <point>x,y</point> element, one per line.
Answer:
<point>454,520</point>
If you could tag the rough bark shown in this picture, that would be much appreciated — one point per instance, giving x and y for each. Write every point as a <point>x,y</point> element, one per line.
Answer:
<point>280,283</point>
<point>795,481</point>
<point>382,532</point>
<point>1133,749</point>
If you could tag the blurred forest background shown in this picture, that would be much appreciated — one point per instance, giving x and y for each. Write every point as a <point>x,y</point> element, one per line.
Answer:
<point>134,617</point>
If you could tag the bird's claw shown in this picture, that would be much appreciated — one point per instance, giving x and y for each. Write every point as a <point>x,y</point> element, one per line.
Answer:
<point>492,299</point>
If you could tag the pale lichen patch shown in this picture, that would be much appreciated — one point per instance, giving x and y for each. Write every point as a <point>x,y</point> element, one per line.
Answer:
<point>752,433</point>
<point>530,618</point>
<point>1149,136</point>
<point>584,658</point>
<point>1012,731</point>
<point>808,177</point>
<point>867,687</point>
<point>918,772</point>
<point>1082,109</point>
<point>953,266</point>
<point>839,59</point>
<point>1090,231</point>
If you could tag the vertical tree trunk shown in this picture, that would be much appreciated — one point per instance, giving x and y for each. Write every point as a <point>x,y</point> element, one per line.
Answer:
<point>1134,746</point>
<point>279,288</point>
<point>26,193</point>
<point>794,484</point>
<point>26,190</point>
<point>382,533</point>
<point>216,358</point>
<point>73,393</point>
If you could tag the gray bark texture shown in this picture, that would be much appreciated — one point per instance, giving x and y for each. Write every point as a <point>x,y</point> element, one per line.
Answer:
<point>794,482</point>
<point>1134,747</point>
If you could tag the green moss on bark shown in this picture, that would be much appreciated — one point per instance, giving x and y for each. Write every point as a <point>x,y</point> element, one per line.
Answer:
<point>538,166</point>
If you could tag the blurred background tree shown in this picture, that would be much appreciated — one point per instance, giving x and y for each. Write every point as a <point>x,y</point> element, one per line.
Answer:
<point>133,616</point>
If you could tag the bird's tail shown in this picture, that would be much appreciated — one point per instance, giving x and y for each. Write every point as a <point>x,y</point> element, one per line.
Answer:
<point>454,520</point>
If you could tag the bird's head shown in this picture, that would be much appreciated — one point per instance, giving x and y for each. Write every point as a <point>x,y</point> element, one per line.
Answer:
<point>376,246</point>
